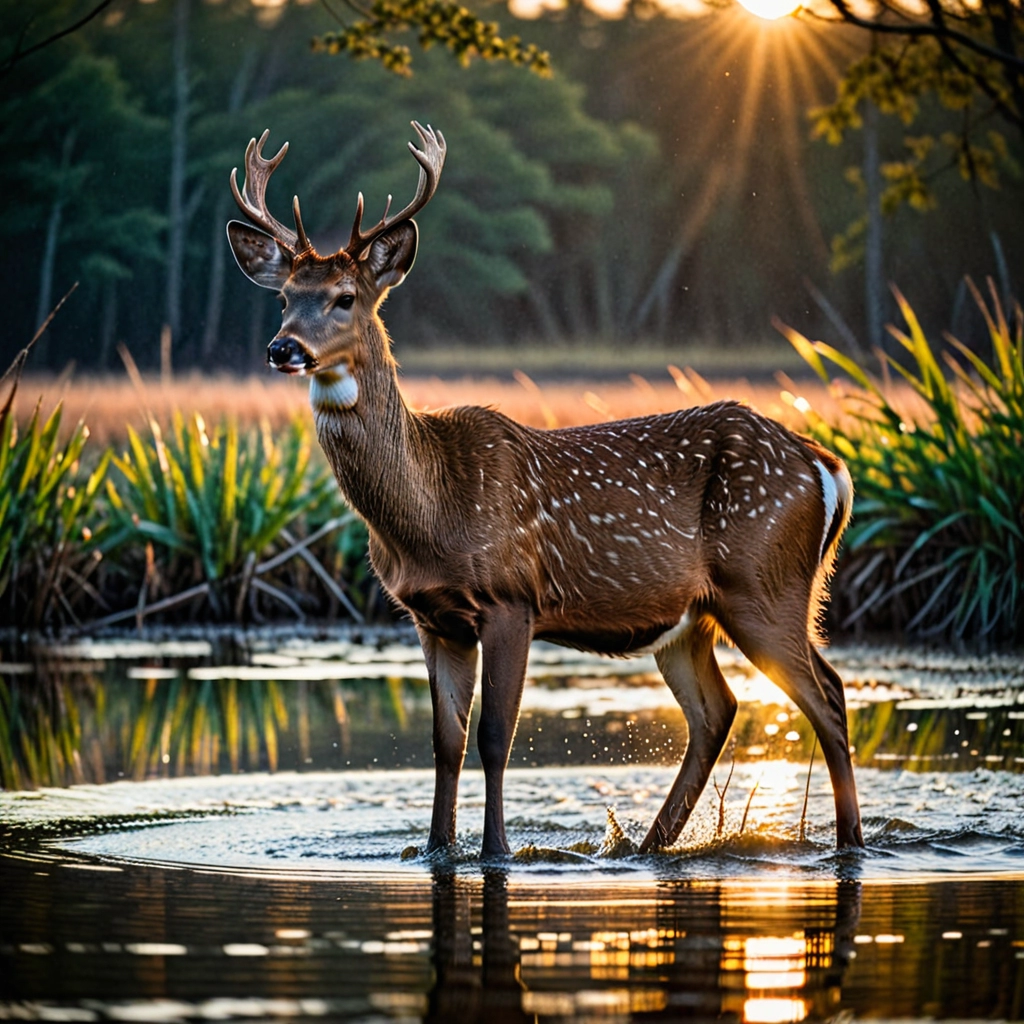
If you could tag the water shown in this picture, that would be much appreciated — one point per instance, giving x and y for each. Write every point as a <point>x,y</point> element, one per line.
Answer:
<point>219,890</point>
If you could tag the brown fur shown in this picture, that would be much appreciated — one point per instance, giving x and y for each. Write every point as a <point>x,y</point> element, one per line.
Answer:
<point>650,533</point>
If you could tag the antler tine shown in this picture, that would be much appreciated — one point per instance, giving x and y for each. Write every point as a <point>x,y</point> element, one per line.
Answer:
<point>356,224</point>
<point>431,161</point>
<point>252,199</point>
<point>300,231</point>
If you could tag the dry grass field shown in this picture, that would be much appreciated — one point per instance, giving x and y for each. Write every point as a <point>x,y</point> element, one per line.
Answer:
<point>107,404</point>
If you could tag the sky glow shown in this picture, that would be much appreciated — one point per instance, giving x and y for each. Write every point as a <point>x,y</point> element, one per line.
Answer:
<point>770,9</point>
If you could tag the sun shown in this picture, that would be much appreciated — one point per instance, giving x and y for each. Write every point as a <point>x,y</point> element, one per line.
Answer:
<point>770,9</point>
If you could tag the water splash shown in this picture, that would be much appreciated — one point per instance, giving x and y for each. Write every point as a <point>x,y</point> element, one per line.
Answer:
<point>559,820</point>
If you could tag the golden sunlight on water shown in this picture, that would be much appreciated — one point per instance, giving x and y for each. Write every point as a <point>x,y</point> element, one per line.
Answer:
<point>460,941</point>
<point>774,962</point>
<point>213,893</point>
<point>774,1011</point>
<point>774,970</point>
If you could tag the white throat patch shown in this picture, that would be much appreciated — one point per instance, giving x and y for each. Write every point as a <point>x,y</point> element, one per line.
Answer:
<point>332,390</point>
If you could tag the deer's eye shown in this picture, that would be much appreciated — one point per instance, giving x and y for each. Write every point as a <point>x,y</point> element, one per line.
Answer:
<point>346,301</point>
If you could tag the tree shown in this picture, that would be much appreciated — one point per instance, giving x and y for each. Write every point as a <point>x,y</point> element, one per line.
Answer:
<point>436,23</point>
<point>964,55</point>
<point>67,131</point>
<point>70,22</point>
<point>657,187</point>
<point>952,42</point>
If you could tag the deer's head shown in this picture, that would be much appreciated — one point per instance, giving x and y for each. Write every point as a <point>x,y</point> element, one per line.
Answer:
<point>325,299</point>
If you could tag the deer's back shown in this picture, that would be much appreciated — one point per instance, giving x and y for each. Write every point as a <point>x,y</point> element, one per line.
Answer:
<point>626,524</point>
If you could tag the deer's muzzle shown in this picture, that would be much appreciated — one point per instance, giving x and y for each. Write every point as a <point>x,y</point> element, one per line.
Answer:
<point>289,356</point>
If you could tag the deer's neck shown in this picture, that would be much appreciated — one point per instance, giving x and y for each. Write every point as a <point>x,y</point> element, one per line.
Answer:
<point>374,443</point>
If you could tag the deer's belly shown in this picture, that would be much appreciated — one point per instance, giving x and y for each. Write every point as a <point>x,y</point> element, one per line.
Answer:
<point>617,639</point>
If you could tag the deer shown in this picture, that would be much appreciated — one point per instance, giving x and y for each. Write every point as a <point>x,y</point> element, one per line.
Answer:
<point>655,535</point>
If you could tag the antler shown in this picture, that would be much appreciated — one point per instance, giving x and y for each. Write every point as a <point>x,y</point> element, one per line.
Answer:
<point>431,160</point>
<point>252,199</point>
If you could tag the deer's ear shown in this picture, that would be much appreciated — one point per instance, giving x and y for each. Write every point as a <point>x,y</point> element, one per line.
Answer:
<point>261,257</point>
<point>392,255</point>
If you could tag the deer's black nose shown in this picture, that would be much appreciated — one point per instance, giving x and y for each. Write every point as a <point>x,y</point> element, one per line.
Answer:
<point>287,353</point>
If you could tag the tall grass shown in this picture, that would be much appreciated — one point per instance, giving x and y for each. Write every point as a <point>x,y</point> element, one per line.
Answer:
<point>200,516</point>
<point>243,524</point>
<point>937,542</point>
<point>237,524</point>
<point>47,529</point>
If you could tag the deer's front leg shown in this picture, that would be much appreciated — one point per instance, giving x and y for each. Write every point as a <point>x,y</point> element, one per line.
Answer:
<point>452,670</point>
<point>505,638</point>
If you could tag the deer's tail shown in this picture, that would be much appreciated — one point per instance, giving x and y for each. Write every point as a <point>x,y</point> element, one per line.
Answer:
<point>837,496</point>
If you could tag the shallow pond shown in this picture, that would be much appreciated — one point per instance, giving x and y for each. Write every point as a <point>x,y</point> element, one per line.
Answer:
<point>266,863</point>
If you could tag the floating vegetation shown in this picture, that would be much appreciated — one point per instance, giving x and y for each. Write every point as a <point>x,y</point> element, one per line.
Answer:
<point>531,854</point>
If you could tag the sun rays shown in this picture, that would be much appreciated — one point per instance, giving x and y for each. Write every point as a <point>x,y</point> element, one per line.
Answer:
<point>769,72</point>
<point>750,143</point>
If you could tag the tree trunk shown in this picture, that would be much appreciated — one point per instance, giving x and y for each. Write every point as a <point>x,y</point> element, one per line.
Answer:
<point>658,297</point>
<point>108,325</point>
<point>874,274</point>
<point>259,337</point>
<point>215,295</point>
<point>606,325</point>
<point>575,303</point>
<point>176,216</point>
<point>1003,18</point>
<point>547,319</point>
<point>656,300</point>
<point>49,261</point>
<point>218,243</point>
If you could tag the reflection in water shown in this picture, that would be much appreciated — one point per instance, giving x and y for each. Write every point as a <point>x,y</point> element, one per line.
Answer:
<point>358,936</point>
<point>169,712</point>
<point>246,897</point>
<point>475,980</point>
<point>141,943</point>
<point>694,946</point>
<point>88,726</point>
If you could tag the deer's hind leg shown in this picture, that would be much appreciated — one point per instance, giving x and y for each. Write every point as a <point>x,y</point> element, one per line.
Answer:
<point>452,671</point>
<point>689,667</point>
<point>787,657</point>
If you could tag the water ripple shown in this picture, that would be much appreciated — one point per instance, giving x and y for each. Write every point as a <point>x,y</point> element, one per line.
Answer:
<point>916,824</point>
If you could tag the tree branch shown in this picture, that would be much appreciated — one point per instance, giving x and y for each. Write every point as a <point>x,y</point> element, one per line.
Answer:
<point>940,31</point>
<point>14,370</point>
<point>1016,116</point>
<point>20,54</point>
